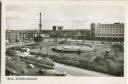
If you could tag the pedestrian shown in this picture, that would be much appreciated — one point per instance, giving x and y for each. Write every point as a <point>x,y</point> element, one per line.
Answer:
<point>79,52</point>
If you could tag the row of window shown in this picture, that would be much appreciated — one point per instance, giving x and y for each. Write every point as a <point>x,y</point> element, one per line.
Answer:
<point>111,26</point>
<point>110,31</point>
<point>109,34</point>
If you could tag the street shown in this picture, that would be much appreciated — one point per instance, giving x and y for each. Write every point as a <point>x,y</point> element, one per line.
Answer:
<point>74,71</point>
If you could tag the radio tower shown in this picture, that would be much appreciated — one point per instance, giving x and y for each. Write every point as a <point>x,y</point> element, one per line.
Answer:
<point>40,25</point>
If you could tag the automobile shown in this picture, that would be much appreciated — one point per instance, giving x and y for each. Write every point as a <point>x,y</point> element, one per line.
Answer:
<point>61,74</point>
<point>41,71</point>
<point>51,73</point>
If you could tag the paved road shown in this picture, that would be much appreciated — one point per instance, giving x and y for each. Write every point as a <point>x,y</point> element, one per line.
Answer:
<point>74,71</point>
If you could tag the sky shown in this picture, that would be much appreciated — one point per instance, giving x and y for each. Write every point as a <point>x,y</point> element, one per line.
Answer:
<point>21,17</point>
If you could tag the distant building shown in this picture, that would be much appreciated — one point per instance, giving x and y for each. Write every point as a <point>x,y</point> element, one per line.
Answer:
<point>92,31</point>
<point>57,28</point>
<point>82,34</point>
<point>12,36</point>
<point>45,35</point>
<point>60,28</point>
<point>107,31</point>
<point>28,35</point>
<point>54,28</point>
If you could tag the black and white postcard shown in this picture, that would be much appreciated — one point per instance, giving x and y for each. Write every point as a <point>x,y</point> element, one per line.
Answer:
<point>60,41</point>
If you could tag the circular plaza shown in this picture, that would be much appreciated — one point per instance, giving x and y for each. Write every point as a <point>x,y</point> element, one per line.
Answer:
<point>73,47</point>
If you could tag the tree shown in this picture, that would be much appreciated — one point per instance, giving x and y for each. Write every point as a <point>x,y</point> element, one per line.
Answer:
<point>79,52</point>
<point>38,39</point>
<point>106,54</point>
<point>118,47</point>
<point>10,52</point>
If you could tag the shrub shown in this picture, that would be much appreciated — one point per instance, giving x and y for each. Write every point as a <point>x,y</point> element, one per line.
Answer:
<point>38,39</point>
<point>10,52</point>
<point>118,47</point>
<point>16,48</point>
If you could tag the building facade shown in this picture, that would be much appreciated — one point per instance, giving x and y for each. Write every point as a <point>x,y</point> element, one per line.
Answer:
<point>108,31</point>
<point>12,36</point>
<point>92,31</point>
<point>28,35</point>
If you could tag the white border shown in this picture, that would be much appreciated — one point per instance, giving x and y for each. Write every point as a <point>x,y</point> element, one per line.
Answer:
<point>2,38</point>
<point>66,2</point>
<point>64,80</point>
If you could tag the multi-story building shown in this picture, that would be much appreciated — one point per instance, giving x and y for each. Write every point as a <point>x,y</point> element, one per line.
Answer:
<point>108,31</point>
<point>57,28</point>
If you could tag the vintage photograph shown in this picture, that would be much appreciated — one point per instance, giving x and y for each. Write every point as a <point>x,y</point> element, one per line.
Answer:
<point>65,40</point>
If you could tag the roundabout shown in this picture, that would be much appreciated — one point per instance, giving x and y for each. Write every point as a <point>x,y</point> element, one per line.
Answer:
<point>72,48</point>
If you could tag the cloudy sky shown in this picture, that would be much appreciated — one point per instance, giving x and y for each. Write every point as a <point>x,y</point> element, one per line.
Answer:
<point>69,16</point>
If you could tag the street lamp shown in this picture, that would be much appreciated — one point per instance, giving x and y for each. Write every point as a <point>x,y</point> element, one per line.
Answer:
<point>47,49</point>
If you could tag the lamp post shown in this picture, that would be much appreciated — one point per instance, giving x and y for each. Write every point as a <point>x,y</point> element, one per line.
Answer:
<point>47,49</point>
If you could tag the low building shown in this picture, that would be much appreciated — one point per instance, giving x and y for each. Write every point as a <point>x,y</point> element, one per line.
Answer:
<point>12,36</point>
